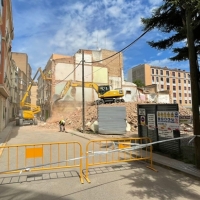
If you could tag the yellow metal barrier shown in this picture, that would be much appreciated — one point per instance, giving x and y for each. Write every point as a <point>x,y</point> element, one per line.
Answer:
<point>44,156</point>
<point>110,151</point>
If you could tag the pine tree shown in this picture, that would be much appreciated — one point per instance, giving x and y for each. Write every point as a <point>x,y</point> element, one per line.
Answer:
<point>181,19</point>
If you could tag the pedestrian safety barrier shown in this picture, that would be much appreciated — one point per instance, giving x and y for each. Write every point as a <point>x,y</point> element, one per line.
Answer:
<point>44,156</point>
<point>58,155</point>
<point>109,151</point>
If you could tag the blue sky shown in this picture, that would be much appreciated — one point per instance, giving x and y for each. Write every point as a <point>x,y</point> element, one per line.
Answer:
<point>43,27</point>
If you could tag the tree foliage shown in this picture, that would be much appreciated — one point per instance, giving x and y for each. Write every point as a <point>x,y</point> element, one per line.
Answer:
<point>171,18</point>
<point>139,83</point>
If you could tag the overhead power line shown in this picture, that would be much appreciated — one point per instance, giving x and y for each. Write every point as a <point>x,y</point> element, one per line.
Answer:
<point>107,57</point>
<point>69,73</point>
<point>124,47</point>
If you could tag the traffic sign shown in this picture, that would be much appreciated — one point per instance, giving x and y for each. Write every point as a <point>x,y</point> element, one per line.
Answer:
<point>142,120</point>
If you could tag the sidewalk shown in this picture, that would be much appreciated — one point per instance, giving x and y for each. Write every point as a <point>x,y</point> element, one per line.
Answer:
<point>157,159</point>
<point>5,133</point>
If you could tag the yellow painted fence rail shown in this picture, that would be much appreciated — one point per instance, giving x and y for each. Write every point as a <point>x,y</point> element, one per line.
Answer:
<point>59,155</point>
<point>110,151</point>
<point>44,156</point>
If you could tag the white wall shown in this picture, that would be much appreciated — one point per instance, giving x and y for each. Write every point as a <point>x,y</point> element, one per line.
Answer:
<point>62,70</point>
<point>130,97</point>
<point>115,82</point>
<point>163,98</point>
<point>87,73</point>
<point>158,98</point>
<point>87,58</point>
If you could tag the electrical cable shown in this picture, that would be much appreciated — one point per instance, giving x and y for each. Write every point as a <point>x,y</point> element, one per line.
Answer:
<point>69,73</point>
<point>123,48</point>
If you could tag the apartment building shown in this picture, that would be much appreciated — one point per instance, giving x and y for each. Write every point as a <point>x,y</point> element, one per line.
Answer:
<point>6,37</point>
<point>62,68</point>
<point>177,81</point>
<point>24,74</point>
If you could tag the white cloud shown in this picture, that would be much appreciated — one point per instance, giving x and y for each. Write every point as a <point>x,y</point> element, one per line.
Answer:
<point>46,27</point>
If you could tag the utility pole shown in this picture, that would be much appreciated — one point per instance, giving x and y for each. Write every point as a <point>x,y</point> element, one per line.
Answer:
<point>194,74</point>
<point>83,93</point>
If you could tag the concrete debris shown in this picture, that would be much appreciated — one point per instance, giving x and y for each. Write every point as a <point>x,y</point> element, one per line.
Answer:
<point>72,113</point>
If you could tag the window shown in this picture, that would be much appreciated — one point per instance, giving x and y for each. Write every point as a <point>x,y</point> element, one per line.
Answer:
<point>179,75</point>
<point>174,81</point>
<point>152,78</point>
<point>188,88</point>
<point>162,86</point>
<point>156,71</point>
<point>161,72</point>
<point>188,75</point>
<point>184,75</point>
<point>157,79</point>
<point>173,73</point>
<point>185,88</point>
<point>167,73</point>
<point>189,95</point>
<point>184,81</point>
<point>180,101</point>
<point>168,87</point>
<point>179,81</point>
<point>179,94</point>
<point>189,101</point>
<point>167,80</point>
<point>174,94</point>
<point>185,94</point>
<point>179,87</point>
<point>152,70</point>
<point>128,92</point>
<point>103,89</point>
<point>174,101</point>
<point>174,87</point>
<point>185,101</point>
<point>188,81</point>
<point>161,79</point>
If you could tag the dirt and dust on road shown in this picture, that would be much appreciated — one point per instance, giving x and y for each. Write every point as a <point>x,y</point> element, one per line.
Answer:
<point>72,113</point>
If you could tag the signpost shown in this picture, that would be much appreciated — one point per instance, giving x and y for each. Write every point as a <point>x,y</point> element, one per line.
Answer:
<point>185,119</point>
<point>167,122</point>
<point>151,121</point>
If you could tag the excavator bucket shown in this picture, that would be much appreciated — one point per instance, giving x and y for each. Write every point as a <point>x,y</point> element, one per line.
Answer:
<point>55,98</point>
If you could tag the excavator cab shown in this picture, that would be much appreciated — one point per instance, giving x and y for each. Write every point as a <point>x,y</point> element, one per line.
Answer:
<point>103,89</point>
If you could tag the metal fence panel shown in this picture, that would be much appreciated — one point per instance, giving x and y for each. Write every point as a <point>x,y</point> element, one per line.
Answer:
<point>112,120</point>
<point>144,131</point>
<point>39,157</point>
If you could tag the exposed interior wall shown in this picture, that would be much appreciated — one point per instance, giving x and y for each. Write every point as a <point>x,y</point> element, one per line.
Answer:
<point>62,70</point>
<point>115,82</point>
<point>100,75</point>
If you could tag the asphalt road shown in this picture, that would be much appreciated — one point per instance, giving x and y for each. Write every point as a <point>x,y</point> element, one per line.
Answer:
<point>110,182</point>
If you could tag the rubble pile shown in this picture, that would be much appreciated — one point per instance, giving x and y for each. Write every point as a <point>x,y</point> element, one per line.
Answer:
<point>184,111</point>
<point>72,113</point>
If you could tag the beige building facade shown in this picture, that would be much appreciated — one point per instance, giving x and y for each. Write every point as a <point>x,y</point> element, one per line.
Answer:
<point>24,73</point>
<point>177,81</point>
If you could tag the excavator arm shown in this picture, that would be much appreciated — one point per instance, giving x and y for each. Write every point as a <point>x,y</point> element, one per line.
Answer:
<point>22,103</point>
<point>104,92</point>
<point>71,83</point>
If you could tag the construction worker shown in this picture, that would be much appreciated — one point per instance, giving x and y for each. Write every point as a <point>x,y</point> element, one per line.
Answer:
<point>62,125</point>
